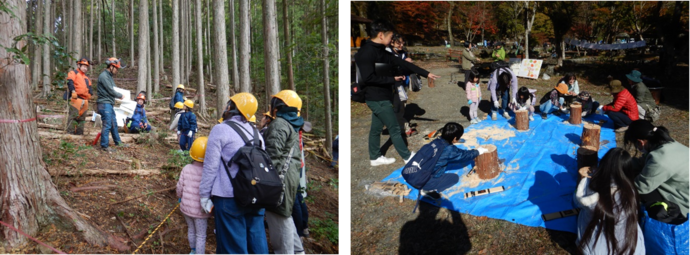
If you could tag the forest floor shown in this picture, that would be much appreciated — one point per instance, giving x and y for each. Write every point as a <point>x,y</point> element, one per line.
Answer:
<point>383,225</point>
<point>110,207</point>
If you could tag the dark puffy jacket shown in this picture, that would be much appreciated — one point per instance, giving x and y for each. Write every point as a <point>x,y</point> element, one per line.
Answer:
<point>187,122</point>
<point>139,116</point>
<point>178,97</point>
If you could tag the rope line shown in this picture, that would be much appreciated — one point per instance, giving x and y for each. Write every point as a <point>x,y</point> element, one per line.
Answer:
<point>34,239</point>
<point>154,231</point>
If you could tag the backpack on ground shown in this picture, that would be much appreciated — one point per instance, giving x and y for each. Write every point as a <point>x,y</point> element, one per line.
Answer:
<point>419,170</point>
<point>357,88</point>
<point>257,184</point>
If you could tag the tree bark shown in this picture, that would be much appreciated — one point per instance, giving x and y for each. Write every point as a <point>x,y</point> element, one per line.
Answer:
<point>64,23</point>
<point>70,26</point>
<point>183,43</point>
<point>149,73</point>
<point>36,59</point>
<point>221,56</point>
<point>271,50</point>
<point>143,44</point>
<point>233,46</point>
<point>587,156</point>
<point>590,135</point>
<point>100,14</point>
<point>522,120</point>
<point>188,51</point>
<point>162,42</point>
<point>156,64</point>
<point>200,59</point>
<point>326,85</point>
<point>112,34</point>
<point>176,44</point>
<point>208,39</point>
<point>245,82</point>
<point>575,114</point>
<point>131,33</point>
<point>77,41</point>
<point>91,33</point>
<point>288,45</point>
<point>47,30</point>
<point>487,163</point>
<point>28,198</point>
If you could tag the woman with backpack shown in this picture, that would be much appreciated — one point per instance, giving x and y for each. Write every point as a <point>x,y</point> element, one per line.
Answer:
<point>608,219</point>
<point>239,230</point>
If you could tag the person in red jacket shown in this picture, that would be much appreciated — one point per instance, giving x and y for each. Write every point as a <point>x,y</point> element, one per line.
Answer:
<point>623,110</point>
<point>79,92</point>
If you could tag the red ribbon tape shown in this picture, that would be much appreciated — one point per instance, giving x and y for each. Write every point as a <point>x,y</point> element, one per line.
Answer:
<point>39,242</point>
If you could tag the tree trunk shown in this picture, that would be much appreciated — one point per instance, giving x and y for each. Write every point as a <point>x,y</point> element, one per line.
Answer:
<point>448,23</point>
<point>487,163</point>
<point>91,33</point>
<point>590,135</point>
<point>188,51</point>
<point>208,39</point>
<point>143,44</point>
<point>271,52</point>
<point>522,120</point>
<point>176,44</point>
<point>64,23</point>
<point>112,34</point>
<point>28,198</point>
<point>156,64</point>
<point>99,13</point>
<point>245,82</point>
<point>70,26</point>
<point>200,59</point>
<point>76,42</point>
<point>162,42</point>
<point>131,33</point>
<point>233,46</point>
<point>288,52</point>
<point>587,156</point>
<point>183,43</point>
<point>326,85</point>
<point>149,73</point>
<point>36,72</point>
<point>221,56</point>
<point>575,114</point>
<point>47,30</point>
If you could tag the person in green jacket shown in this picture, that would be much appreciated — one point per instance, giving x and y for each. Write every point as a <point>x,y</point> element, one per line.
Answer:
<point>499,54</point>
<point>106,100</point>
<point>663,179</point>
<point>645,101</point>
<point>282,144</point>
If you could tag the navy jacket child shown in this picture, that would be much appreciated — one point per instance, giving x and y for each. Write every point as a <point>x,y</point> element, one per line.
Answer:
<point>441,181</point>
<point>186,126</point>
<point>139,122</point>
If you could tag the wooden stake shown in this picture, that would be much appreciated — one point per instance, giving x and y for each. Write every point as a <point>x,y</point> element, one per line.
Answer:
<point>487,163</point>
<point>522,120</point>
<point>590,135</point>
<point>575,114</point>
<point>431,82</point>
<point>587,156</point>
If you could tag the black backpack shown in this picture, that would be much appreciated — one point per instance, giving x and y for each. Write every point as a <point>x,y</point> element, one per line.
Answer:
<point>415,82</point>
<point>546,97</point>
<point>418,171</point>
<point>356,89</point>
<point>257,184</point>
<point>499,64</point>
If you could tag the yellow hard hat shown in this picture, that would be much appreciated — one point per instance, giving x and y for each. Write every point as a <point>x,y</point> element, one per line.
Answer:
<point>246,103</point>
<point>220,120</point>
<point>180,86</point>
<point>290,98</point>
<point>268,114</point>
<point>189,103</point>
<point>252,119</point>
<point>199,149</point>
<point>179,105</point>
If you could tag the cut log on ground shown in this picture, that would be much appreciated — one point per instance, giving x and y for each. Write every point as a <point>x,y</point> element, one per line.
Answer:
<point>590,135</point>
<point>522,120</point>
<point>147,194</point>
<point>107,171</point>
<point>93,188</point>
<point>587,156</point>
<point>575,114</point>
<point>487,163</point>
<point>51,135</point>
<point>49,126</point>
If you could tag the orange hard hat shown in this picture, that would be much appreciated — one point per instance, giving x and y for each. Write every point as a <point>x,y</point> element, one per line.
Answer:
<point>113,62</point>
<point>84,61</point>
<point>142,96</point>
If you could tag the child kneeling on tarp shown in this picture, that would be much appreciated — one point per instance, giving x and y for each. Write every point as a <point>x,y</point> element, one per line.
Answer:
<point>440,180</point>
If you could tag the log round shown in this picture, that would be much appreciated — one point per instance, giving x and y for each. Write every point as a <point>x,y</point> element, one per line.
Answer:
<point>590,135</point>
<point>487,163</point>
<point>587,156</point>
<point>431,82</point>
<point>575,114</point>
<point>522,120</point>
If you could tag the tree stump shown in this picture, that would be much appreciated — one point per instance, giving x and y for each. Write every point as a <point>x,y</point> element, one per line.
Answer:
<point>590,135</point>
<point>587,156</point>
<point>487,163</point>
<point>575,114</point>
<point>522,120</point>
<point>431,82</point>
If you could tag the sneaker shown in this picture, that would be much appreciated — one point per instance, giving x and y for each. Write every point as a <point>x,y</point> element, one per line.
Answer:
<point>506,115</point>
<point>193,251</point>
<point>473,121</point>
<point>108,149</point>
<point>493,116</point>
<point>531,118</point>
<point>543,116</point>
<point>621,129</point>
<point>430,194</point>
<point>382,161</point>
<point>408,159</point>
<point>478,120</point>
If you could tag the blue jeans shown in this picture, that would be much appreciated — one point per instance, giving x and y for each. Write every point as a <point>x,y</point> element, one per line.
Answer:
<point>441,182</point>
<point>239,230</point>
<point>300,214</point>
<point>619,119</point>
<point>109,124</point>
<point>505,98</point>
<point>548,107</point>
<point>186,141</point>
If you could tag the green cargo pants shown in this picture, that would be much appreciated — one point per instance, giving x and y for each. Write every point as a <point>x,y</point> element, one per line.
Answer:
<point>383,115</point>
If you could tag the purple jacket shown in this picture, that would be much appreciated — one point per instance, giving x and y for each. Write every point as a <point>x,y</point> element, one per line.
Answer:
<point>493,83</point>
<point>223,142</point>
<point>188,190</point>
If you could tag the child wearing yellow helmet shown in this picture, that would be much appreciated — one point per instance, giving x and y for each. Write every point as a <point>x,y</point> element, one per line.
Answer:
<point>179,110</point>
<point>178,97</point>
<point>188,197</point>
<point>186,126</point>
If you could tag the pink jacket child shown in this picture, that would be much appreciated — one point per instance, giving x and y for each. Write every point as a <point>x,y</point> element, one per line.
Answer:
<point>473,91</point>
<point>188,190</point>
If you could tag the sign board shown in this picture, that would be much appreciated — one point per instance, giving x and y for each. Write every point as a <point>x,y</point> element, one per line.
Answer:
<point>530,68</point>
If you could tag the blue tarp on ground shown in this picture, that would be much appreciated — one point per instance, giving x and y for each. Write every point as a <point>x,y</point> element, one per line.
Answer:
<point>540,174</point>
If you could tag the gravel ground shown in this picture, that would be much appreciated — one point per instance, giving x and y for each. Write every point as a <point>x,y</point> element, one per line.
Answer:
<point>382,225</point>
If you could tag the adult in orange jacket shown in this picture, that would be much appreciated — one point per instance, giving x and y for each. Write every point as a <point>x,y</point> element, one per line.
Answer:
<point>623,110</point>
<point>79,92</point>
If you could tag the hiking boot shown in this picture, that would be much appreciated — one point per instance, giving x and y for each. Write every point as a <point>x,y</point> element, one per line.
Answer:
<point>543,116</point>
<point>493,116</point>
<point>531,118</point>
<point>108,149</point>
<point>408,159</point>
<point>382,161</point>
<point>621,129</point>
<point>430,194</point>
<point>506,115</point>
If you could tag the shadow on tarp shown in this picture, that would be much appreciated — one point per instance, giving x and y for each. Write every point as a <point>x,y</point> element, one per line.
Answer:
<point>544,185</point>
<point>428,235</point>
